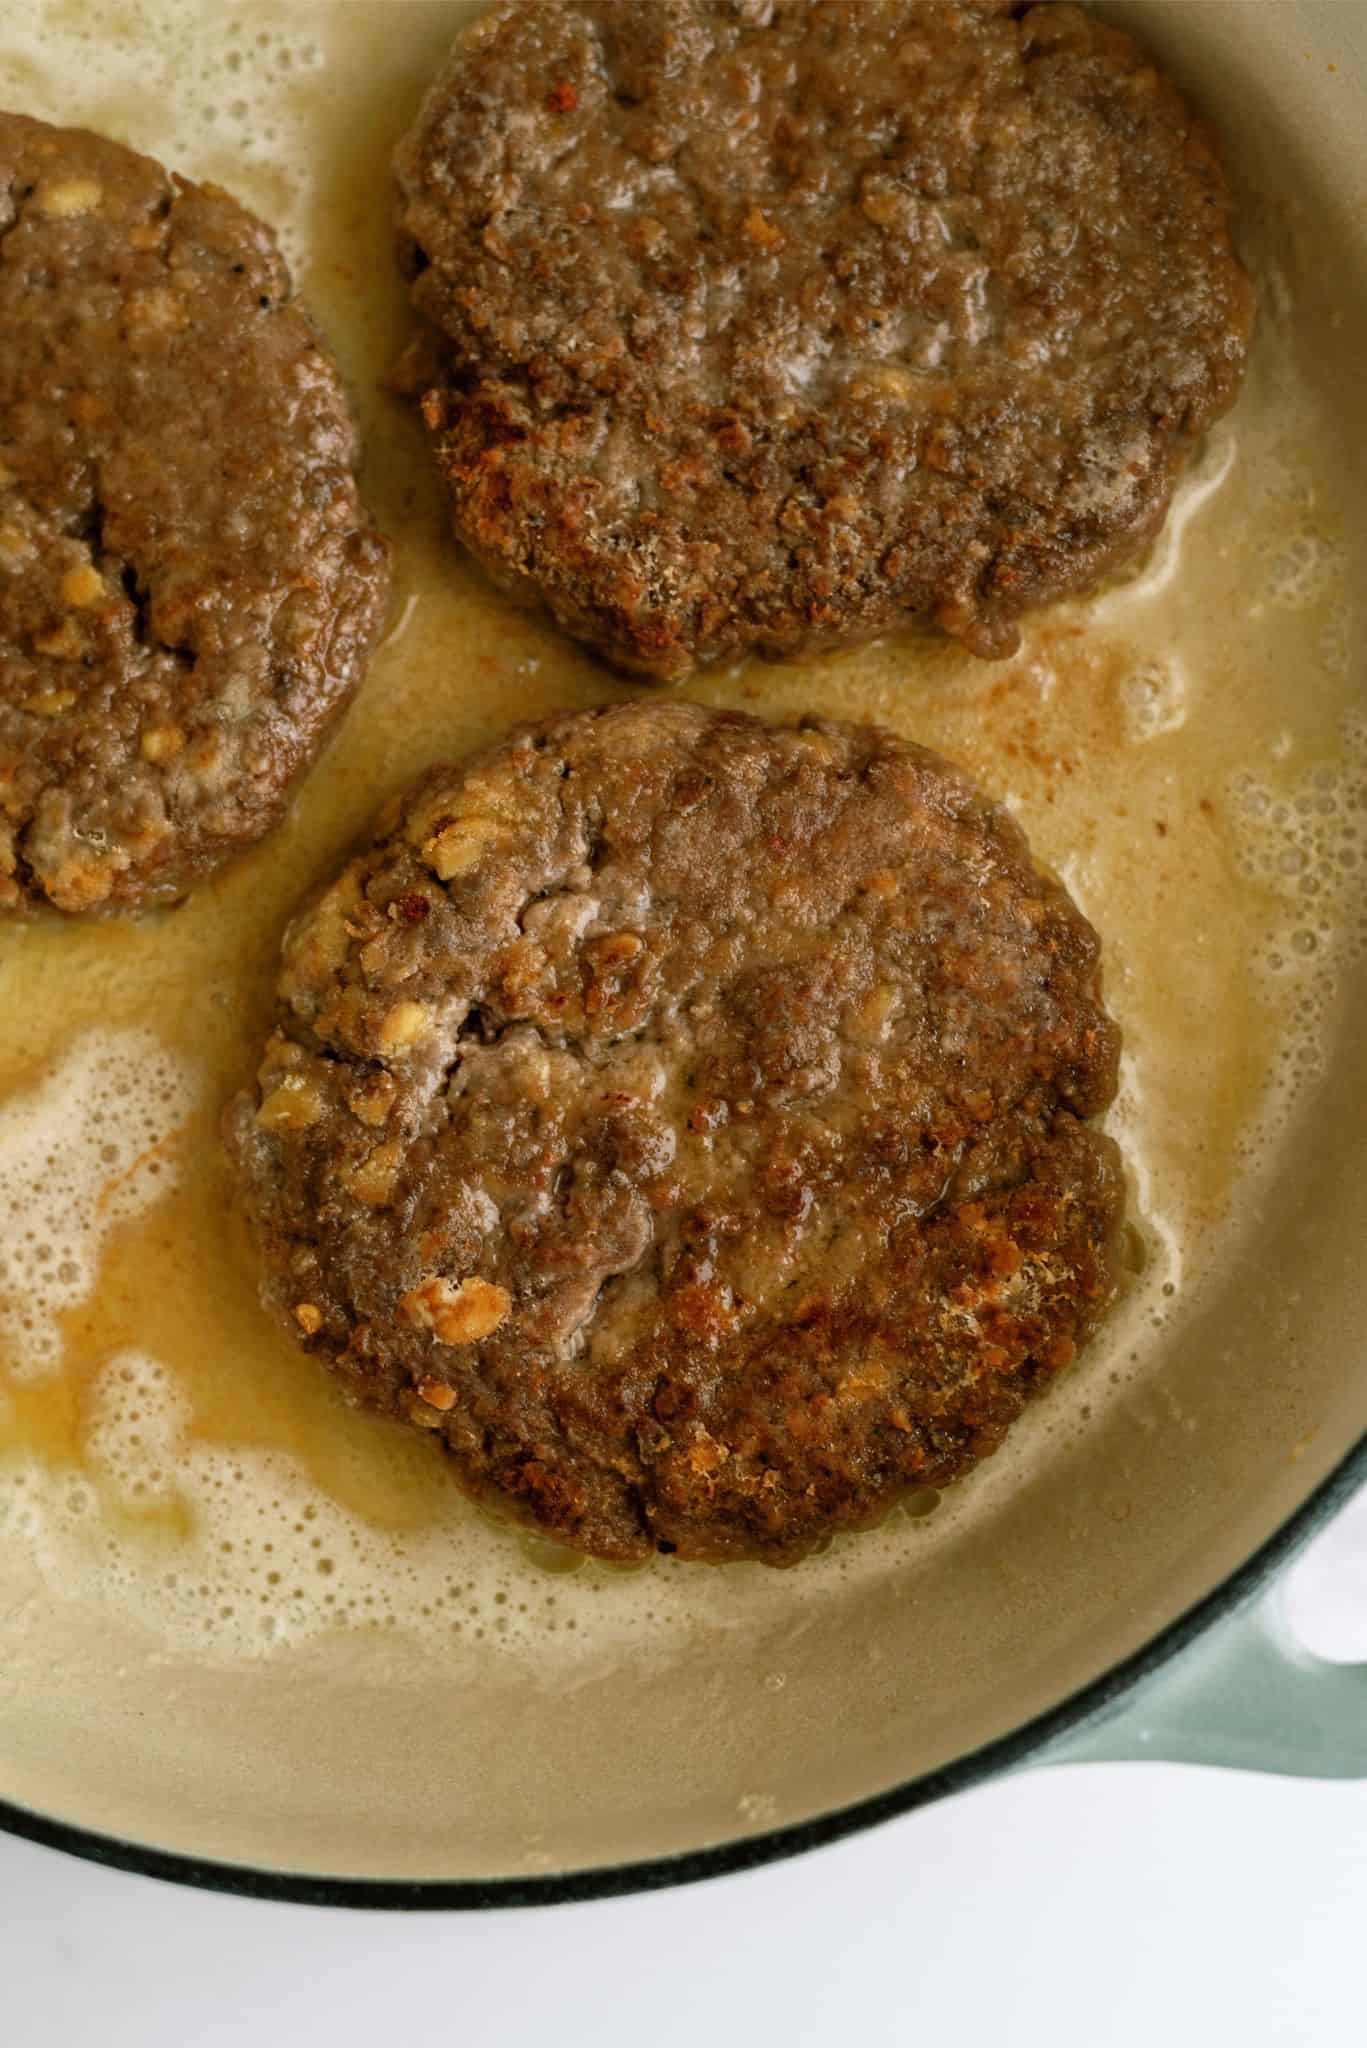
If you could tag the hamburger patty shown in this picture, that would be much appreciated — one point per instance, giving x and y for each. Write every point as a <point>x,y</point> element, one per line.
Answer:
<point>762,324</point>
<point>684,1118</point>
<point>189,586</point>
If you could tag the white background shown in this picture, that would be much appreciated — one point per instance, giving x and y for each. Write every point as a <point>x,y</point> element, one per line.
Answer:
<point>1112,1906</point>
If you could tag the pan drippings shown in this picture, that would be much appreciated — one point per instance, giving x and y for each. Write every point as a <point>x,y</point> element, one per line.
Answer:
<point>1184,750</point>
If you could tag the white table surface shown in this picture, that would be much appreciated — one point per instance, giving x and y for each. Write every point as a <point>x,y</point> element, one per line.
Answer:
<point>1113,1906</point>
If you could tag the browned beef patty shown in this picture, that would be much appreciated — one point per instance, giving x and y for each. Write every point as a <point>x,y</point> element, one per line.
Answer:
<point>188,584</point>
<point>684,1117</point>
<point>766,323</point>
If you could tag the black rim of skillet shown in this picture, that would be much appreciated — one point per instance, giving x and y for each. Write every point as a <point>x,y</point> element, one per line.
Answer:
<point>751,1851</point>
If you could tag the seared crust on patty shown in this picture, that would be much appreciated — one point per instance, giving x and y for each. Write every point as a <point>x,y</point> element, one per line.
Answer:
<point>763,324</point>
<point>189,586</point>
<point>684,1118</point>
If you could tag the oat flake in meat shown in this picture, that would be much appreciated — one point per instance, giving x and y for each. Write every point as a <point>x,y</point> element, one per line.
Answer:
<point>189,586</point>
<point>686,1118</point>
<point>761,324</point>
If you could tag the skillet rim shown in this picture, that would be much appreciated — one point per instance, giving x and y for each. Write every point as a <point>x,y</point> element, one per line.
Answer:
<point>749,1852</point>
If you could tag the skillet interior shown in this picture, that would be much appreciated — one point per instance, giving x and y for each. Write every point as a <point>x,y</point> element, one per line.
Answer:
<point>362,1753</point>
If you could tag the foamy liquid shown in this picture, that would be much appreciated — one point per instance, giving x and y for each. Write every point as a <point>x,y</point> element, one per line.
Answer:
<point>1188,751</point>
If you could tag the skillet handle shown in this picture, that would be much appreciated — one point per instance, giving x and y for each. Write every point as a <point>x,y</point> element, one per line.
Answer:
<point>1246,1695</point>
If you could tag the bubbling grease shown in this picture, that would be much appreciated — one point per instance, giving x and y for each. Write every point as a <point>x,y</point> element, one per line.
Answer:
<point>85,1151</point>
<point>1184,750</point>
<point>233,96</point>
